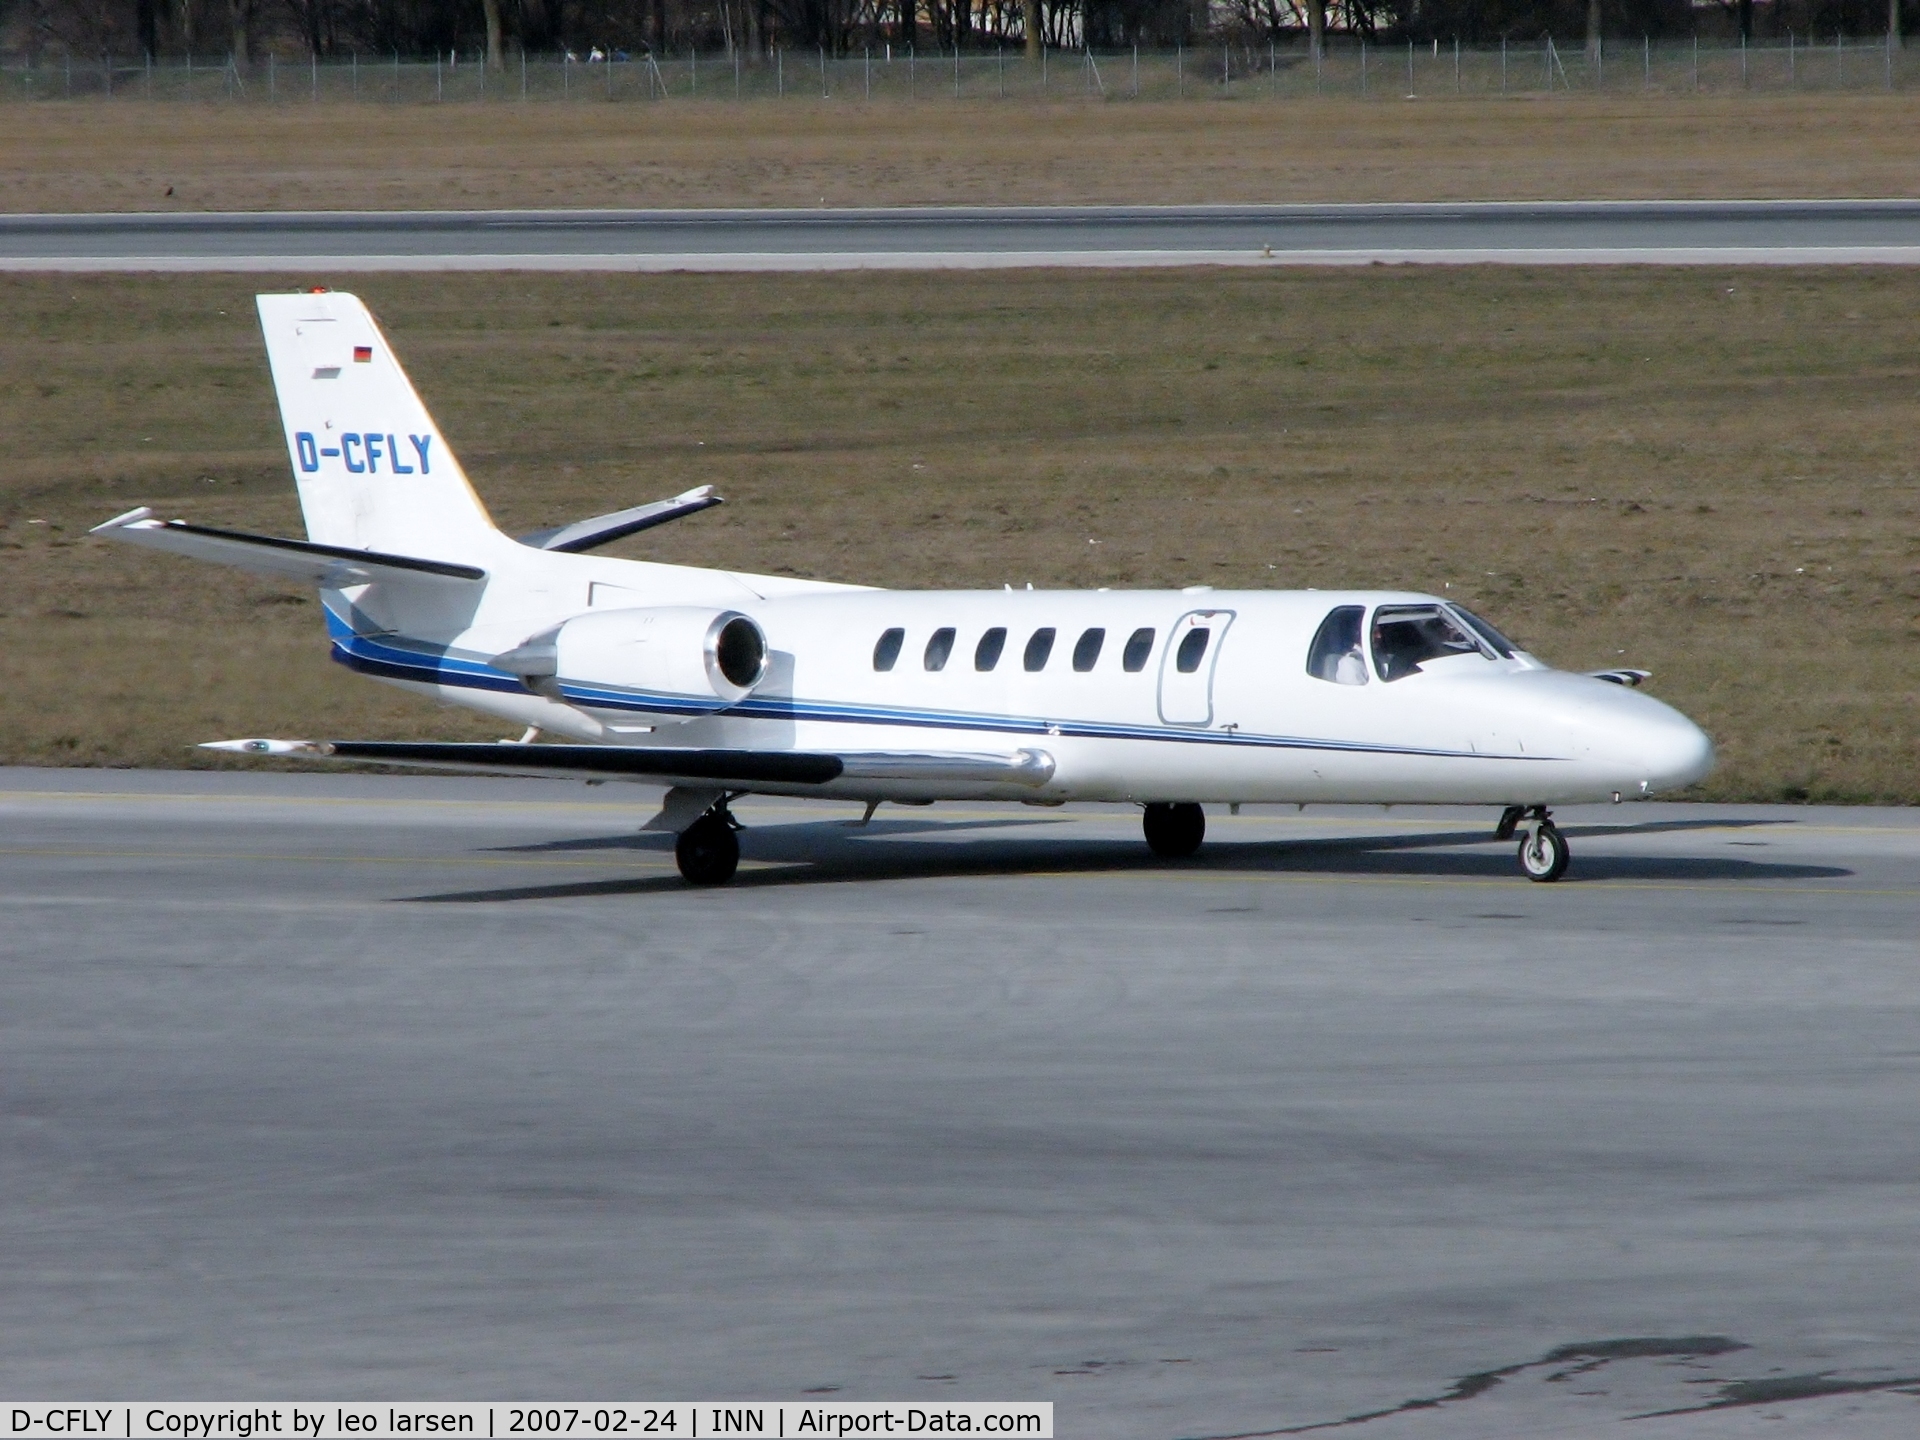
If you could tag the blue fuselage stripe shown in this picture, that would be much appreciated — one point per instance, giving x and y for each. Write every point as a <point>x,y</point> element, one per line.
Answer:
<point>398,661</point>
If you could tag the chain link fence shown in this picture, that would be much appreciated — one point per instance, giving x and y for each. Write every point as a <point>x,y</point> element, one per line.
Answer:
<point>1221,71</point>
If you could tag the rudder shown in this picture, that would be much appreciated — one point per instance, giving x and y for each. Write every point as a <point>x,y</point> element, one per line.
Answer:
<point>372,468</point>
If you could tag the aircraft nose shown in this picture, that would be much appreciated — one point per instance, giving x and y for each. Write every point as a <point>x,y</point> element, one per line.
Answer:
<point>1669,750</point>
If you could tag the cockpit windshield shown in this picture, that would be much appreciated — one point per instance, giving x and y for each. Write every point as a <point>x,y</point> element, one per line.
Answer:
<point>1502,646</point>
<point>1407,636</point>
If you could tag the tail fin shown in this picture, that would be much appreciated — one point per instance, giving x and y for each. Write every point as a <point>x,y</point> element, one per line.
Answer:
<point>373,470</point>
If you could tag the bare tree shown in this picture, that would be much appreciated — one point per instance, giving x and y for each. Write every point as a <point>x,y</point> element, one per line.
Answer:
<point>496,58</point>
<point>1031,21</point>
<point>1593,28</point>
<point>240,25</point>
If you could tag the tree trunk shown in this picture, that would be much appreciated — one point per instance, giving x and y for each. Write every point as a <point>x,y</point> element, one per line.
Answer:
<point>1593,28</point>
<point>496,53</point>
<point>240,13</point>
<point>1894,38</point>
<point>1030,19</point>
<point>1317,27</point>
<point>1746,19</point>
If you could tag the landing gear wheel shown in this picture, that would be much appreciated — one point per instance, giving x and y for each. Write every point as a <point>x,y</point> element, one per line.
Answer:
<point>708,852</point>
<point>1510,819</point>
<point>1544,853</point>
<point>1174,831</point>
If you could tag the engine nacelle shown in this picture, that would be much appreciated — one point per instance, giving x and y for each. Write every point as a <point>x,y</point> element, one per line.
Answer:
<point>675,662</point>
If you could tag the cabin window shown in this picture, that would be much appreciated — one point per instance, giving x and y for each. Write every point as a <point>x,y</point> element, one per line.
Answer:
<point>986,654</point>
<point>888,650</point>
<point>1405,637</point>
<point>1134,658</point>
<point>1086,650</point>
<point>1336,653</point>
<point>939,647</point>
<point>1193,646</point>
<point>1038,649</point>
<point>1502,646</point>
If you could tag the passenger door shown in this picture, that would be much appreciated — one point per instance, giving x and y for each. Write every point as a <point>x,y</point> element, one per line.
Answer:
<point>1186,666</point>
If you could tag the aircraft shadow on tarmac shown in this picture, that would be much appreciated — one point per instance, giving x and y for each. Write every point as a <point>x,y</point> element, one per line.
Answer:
<point>831,852</point>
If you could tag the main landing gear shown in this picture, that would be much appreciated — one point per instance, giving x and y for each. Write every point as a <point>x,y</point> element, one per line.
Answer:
<point>708,850</point>
<point>1544,851</point>
<point>1174,831</point>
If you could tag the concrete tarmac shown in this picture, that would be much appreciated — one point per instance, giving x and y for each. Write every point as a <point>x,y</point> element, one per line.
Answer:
<point>1571,232</point>
<point>353,1086</point>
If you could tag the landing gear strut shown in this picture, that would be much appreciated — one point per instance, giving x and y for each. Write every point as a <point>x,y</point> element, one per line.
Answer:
<point>1174,831</point>
<point>1544,851</point>
<point>708,850</point>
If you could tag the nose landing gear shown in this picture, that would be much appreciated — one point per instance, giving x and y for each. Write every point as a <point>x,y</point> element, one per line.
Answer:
<point>708,850</point>
<point>1174,831</point>
<point>1544,851</point>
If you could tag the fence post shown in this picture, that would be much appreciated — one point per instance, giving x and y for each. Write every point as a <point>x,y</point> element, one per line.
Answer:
<point>150,74</point>
<point>956,67</point>
<point>273,89</point>
<point>523,73</point>
<point>396,77</point>
<point>1646,63</point>
<point>1743,61</point>
<point>736,72</point>
<point>314,62</point>
<point>1363,67</point>
<point>1839,59</point>
<point>866,56</point>
<point>1696,63</point>
<point>823,72</point>
<point>1456,64</point>
<point>1179,73</point>
<point>1503,64</point>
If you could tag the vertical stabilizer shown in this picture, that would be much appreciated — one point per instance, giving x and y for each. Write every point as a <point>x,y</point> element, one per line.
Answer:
<point>373,469</point>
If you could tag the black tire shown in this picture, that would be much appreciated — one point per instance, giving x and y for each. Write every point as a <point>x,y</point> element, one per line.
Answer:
<point>708,852</point>
<point>1174,831</point>
<point>1544,855</point>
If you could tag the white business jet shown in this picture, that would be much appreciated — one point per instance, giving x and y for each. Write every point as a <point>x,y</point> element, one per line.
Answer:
<point>719,684</point>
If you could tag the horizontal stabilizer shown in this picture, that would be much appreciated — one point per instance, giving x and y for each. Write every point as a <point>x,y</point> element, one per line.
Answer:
<point>1623,676</point>
<point>331,566</point>
<point>605,529</point>
<point>658,763</point>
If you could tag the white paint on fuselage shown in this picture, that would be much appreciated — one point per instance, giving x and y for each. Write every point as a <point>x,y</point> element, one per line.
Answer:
<point>1465,729</point>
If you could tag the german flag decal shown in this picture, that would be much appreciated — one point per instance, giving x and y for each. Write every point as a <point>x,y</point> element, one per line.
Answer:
<point>363,354</point>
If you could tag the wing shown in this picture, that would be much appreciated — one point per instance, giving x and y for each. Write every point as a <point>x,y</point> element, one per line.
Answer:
<point>332,566</point>
<point>660,764</point>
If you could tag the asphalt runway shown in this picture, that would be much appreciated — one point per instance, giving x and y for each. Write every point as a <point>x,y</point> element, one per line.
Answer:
<point>1580,232</point>
<point>423,1088</point>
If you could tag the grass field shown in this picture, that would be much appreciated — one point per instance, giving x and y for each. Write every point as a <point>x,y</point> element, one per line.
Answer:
<point>129,155</point>
<point>1708,474</point>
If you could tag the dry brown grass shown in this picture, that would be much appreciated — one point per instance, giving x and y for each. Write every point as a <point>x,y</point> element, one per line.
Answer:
<point>1708,474</point>
<point>125,155</point>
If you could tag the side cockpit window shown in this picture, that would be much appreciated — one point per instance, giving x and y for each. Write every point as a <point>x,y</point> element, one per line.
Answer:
<point>1336,654</point>
<point>1405,637</point>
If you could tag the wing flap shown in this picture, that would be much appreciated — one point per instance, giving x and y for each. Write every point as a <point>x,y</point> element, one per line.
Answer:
<point>332,566</point>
